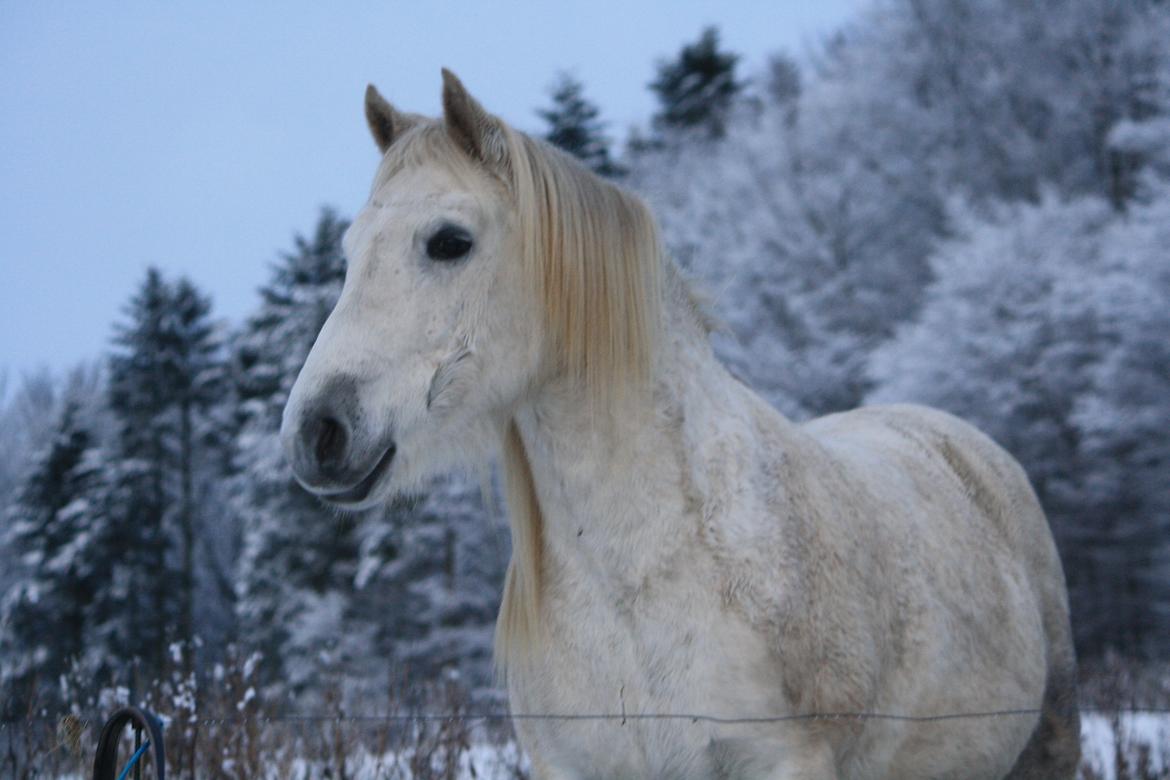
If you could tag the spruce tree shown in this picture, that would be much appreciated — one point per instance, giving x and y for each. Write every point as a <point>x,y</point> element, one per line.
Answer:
<point>140,492</point>
<point>297,555</point>
<point>696,90</point>
<point>784,80</point>
<point>55,532</point>
<point>196,384</point>
<point>574,125</point>
<point>164,376</point>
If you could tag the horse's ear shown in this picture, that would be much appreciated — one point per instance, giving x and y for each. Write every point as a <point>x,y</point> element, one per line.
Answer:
<point>475,131</point>
<point>386,123</point>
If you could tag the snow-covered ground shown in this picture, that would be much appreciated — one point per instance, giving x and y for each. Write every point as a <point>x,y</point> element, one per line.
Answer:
<point>481,762</point>
<point>1098,744</point>
<point>1099,741</point>
<point>1139,732</point>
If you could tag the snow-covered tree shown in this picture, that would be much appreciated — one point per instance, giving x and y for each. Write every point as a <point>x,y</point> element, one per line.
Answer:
<point>440,562</point>
<point>697,88</point>
<point>1001,99</point>
<point>165,375</point>
<point>574,124</point>
<point>50,527</point>
<point>25,423</point>
<point>28,412</point>
<point>812,255</point>
<point>297,558</point>
<point>1121,422</point>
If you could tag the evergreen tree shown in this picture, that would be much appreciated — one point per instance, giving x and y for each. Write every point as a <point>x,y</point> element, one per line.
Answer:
<point>25,424</point>
<point>134,613</point>
<point>784,82</point>
<point>164,377</point>
<point>297,558</point>
<point>574,125</point>
<point>294,305</point>
<point>696,90</point>
<point>440,563</point>
<point>53,530</point>
<point>197,382</point>
<point>139,490</point>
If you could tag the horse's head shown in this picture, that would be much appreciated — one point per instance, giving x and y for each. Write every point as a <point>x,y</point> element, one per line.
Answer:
<point>467,287</point>
<point>431,333</point>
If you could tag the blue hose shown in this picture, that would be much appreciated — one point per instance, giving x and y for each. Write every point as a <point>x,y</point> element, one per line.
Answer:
<point>134,760</point>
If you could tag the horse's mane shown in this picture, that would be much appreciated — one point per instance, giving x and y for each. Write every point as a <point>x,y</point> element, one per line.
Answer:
<point>592,251</point>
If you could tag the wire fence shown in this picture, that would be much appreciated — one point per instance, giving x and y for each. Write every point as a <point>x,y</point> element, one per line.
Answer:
<point>621,717</point>
<point>429,744</point>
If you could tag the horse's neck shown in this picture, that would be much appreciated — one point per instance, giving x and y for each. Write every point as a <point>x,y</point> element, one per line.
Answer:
<point>613,496</point>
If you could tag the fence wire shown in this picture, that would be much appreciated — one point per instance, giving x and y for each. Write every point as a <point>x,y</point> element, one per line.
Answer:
<point>622,717</point>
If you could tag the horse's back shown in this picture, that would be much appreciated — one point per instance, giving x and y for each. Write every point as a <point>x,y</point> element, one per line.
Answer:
<point>980,501</point>
<point>950,462</point>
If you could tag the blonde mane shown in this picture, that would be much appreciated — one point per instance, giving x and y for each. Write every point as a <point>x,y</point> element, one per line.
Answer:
<point>592,250</point>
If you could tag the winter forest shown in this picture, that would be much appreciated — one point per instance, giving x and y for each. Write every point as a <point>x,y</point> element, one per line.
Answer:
<point>964,204</point>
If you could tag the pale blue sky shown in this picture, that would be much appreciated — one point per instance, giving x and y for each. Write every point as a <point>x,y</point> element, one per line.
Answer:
<point>200,136</point>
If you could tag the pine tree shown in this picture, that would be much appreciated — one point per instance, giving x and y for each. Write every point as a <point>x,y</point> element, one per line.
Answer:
<point>696,90</point>
<point>298,558</point>
<point>164,377</point>
<point>784,81</point>
<point>139,490</point>
<point>294,305</point>
<point>53,530</point>
<point>25,420</point>
<point>439,562</point>
<point>574,125</point>
<point>197,382</point>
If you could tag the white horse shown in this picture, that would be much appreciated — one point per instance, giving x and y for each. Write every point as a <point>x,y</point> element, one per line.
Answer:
<point>679,546</point>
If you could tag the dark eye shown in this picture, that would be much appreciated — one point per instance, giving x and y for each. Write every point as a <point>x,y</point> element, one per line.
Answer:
<point>449,243</point>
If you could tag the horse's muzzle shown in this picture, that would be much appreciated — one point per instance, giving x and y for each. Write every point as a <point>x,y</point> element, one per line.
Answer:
<point>361,491</point>
<point>328,453</point>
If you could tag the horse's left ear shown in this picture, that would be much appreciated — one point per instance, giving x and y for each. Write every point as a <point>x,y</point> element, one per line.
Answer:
<point>476,131</point>
<point>386,123</point>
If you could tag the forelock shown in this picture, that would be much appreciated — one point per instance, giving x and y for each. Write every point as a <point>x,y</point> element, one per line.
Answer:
<point>427,143</point>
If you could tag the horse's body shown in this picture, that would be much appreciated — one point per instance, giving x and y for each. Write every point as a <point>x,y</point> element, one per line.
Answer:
<point>684,550</point>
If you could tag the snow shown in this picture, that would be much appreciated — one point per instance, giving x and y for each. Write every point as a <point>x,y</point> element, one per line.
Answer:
<point>1138,730</point>
<point>483,761</point>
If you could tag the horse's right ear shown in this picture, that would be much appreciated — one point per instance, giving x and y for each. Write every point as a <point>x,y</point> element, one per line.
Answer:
<point>472,128</point>
<point>386,124</point>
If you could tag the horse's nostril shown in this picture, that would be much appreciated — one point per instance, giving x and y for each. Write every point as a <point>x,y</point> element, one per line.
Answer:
<point>331,442</point>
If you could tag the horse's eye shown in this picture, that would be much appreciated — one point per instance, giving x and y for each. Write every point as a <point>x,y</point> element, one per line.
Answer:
<point>449,243</point>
